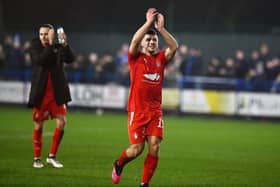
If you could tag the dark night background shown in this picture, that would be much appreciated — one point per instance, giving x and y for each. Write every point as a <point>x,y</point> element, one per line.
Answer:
<point>217,27</point>
<point>124,15</point>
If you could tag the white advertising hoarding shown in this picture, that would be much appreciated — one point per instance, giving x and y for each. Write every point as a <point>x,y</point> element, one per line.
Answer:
<point>193,101</point>
<point>12,92</point>
<point>109,96</point>
<point>256,104</point>
<point>206,101</point>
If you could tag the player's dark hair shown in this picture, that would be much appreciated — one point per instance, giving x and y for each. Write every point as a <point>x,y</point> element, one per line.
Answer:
<point>47,25</point>
<point>151,32</point>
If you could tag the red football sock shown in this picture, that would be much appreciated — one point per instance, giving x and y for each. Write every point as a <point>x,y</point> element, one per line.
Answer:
<point>57,137</point>
<point>123,160</point>
<point>37,143</point>
<point>150,165</point>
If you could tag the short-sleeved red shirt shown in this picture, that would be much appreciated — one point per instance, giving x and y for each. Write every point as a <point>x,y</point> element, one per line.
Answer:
<point>146,78</point>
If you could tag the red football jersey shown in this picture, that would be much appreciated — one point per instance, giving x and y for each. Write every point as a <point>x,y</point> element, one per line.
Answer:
<point>49,89</point>
<point>146,77</point>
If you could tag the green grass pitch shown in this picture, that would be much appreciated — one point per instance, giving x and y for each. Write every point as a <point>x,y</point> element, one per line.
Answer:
<point>196,152</point>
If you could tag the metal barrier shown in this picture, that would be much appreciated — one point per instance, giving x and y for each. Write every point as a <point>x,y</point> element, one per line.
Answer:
<point>186,82</point>
<point>217,83</point>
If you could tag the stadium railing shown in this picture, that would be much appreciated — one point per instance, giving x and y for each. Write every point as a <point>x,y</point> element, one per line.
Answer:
<point>232,84</point>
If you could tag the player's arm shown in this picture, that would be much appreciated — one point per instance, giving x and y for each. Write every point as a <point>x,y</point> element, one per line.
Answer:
<point>169,39</point>
<point>66,52</point>
<point>139,34</point>
<point>41,57</point>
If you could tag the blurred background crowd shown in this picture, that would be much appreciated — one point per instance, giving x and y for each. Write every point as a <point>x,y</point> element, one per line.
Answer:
<point>259,67</point>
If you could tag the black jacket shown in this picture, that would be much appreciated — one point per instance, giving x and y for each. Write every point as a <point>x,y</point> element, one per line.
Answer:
<point>49,59</point>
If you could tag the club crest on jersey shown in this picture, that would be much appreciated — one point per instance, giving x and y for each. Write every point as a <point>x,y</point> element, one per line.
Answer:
<point>158,64</point>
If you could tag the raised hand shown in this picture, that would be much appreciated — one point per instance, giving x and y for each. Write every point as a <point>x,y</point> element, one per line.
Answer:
<point>51,36</point>
<point>151,14</point>
<point>63,37</point>
<point>159,24</point>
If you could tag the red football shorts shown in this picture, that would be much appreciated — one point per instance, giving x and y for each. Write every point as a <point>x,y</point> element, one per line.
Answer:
<point>141,125</point>
<point>48,109</point>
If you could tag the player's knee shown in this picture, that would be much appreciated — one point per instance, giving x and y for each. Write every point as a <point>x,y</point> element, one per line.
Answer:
<point>154,147</point>
<point>61,122</point>
<point>136,150</point>
<point>38,126</point>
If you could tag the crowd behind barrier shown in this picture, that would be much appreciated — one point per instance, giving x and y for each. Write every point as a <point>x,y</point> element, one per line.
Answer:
<point>258,71</point>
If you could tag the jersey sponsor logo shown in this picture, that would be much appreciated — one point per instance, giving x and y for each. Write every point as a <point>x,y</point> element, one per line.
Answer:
<point>152,76</point>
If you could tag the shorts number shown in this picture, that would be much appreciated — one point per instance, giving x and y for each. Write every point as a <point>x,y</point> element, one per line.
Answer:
<point>160,123</point>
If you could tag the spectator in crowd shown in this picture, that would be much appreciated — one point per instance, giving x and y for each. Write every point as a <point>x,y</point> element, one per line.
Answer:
<point>122,55</point>
<point>192,65</point>
<point>256,64</point>
<point>77,69</point>
<point>214,66</point>
<point>183,51</point>
<point>264,52</point>
<point>8,43</point>
<point>229,68</point>
<point>170,75</point>
<point>91,68</point>
<point>241,65</point>
<point>79,64</point>
<point>105,69</point>
<point>122,68</point>
<point>2,57</point>
<point>27,57</point>
<point>180,57</point>
<point>15,58</point>
<point>272,68</point>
